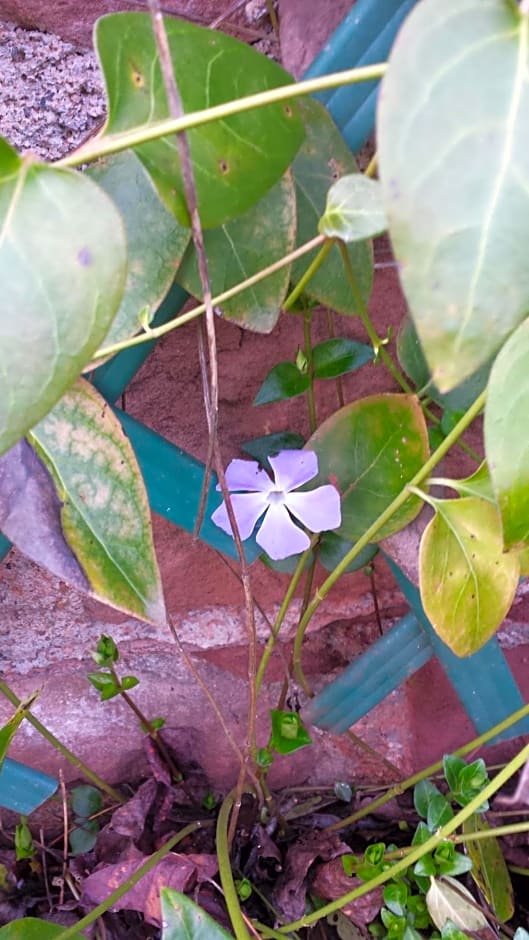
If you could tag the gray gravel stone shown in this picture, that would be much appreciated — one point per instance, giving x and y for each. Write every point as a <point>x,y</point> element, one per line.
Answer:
<point>51,94</point>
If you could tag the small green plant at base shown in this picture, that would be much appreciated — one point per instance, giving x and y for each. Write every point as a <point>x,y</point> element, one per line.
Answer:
<point>86,802</point>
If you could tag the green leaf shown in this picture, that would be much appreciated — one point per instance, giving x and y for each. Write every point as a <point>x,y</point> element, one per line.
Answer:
<point>184,920</point>
<point>423,792</point>
<point>233,164</point>
<point>8,731</point>
<point>354,209</point>
<point>156,243</point>
<point>332,549</point>
<point>439,812</point>
<point>371,449</point>
<point>452,769</point>
<point>242,247</point>
<point>467,581</point>
<point>334,357</point>
<point>105,684</point>
<point>32,928</point>
<point>86,800</point>
<point>261,448</point>
<point>506,440</point>
<point>24,846</point>
<point>454,166</point>
<point>106,652</point>
<point>447,900</point>
<point>129,682</point>
<point>479,484</point>
<point>324,158</point>
<point>489,869</point>
<point>288,733</point>
<point>84,836</point>
<point>104,510</point>
<point>396,897</point>
<point>412,360</point>
<point>283,381</point>
<point>62,270</point>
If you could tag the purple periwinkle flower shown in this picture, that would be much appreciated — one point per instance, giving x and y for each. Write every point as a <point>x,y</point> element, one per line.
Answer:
<point>255,494</point>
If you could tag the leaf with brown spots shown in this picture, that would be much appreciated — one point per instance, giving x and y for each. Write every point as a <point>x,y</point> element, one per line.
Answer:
<point>105,528</point>
<point>235,160</point>
<point>467,581</point>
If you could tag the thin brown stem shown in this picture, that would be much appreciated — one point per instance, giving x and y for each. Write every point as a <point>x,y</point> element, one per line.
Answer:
<point>64,803</point>
<point>186,165</point>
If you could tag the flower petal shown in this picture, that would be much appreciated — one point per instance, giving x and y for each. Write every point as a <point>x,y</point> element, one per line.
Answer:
<point>248,507</point>
<point>279,536</point>
<point>293,468</point>
<point>318,509</point>
<point>247,475</point>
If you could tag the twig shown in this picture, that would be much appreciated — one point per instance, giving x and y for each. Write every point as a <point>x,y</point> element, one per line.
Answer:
<point>64,801</point>
<point>176,111</point>
<point>224,16</point>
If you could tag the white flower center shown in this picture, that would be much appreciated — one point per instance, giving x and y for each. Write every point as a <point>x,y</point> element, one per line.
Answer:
<point>276,497</point>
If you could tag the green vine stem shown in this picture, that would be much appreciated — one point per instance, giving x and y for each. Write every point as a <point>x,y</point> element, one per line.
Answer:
<point>151,862</point>
<point>158,331</point>
<point>371,533</point>
<point>226,875</point>
<point>104,145</point>
<point>430,771</point>
<point>282,612</point>
<point>377,343</point>
<point>461,839</point>
<point>59,746</point>
<point>443,833</point>
<point>308,274</point>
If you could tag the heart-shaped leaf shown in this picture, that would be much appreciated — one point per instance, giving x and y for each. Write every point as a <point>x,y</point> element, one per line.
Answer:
<point>506,441</point>
<point>62,270</point>
<point>467,581</point>
<point>234,163</point>
<point>92,526</point>
<point>323,158</point>
<point>184,920</point>
<point>156,242</point>
<point>371,449</point>
<point>241,248</point>
<point>354,209</point>
<point>453,142</point>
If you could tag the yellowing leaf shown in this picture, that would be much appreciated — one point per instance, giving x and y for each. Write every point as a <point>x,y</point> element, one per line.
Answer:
<point>104,511</point>
<point>467,581</point>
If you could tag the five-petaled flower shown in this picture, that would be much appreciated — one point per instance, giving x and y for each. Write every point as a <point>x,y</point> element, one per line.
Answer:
<point>255,494</point>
